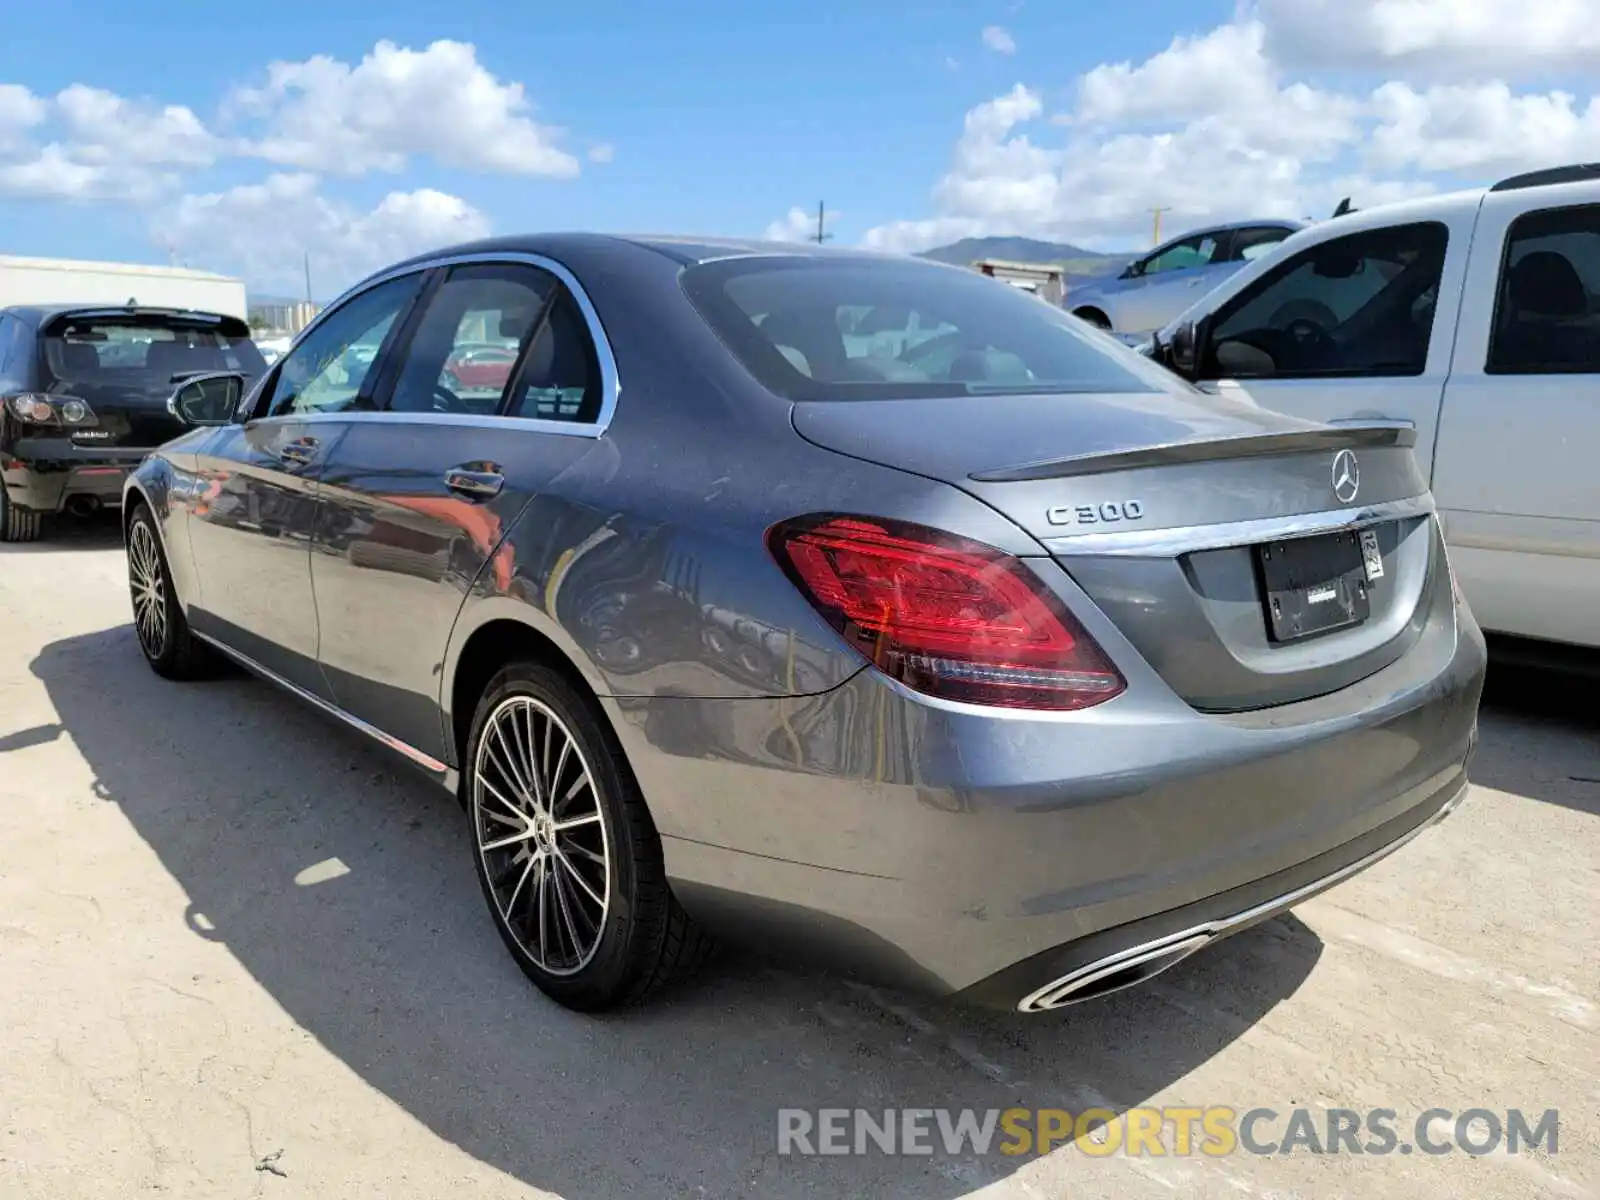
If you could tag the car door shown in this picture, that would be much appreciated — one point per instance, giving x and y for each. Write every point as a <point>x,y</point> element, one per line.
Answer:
<point>1169,281</point>
<point>256,490</point>
<point>1515,471</point>
<point>1346,328</point>
<point>417,499</point>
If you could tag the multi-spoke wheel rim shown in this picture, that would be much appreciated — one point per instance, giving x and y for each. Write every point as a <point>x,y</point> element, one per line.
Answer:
<point>542,835</point>
<point>149,590</point>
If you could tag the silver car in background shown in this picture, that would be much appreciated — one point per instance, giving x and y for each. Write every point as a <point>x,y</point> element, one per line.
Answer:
<point>850,606</point>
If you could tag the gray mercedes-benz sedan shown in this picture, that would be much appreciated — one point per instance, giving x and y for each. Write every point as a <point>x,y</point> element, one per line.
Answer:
<point>855,607</point>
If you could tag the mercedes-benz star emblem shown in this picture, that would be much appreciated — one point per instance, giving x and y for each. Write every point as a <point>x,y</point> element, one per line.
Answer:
<point>1346,476</point>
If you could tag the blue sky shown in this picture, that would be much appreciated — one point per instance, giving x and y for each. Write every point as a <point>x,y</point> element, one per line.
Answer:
<point>722,117</point>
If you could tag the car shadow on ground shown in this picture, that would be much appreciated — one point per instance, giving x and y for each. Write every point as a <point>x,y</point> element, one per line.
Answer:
<point>1540,724</point>
<point>342,883</point>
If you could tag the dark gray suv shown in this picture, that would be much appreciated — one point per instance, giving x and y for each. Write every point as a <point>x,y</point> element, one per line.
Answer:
<point>83,398</point>
<point>851,606</point>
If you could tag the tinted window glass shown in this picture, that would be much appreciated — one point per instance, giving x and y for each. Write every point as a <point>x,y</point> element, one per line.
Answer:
<point>822,328</point>
<point>1547,317</point>
<point>561,379</point>
<point>1250,244</point>
<point>467,343</point>
<point>1184,255</point>
<point>147,348</point>
<point>1356,305</point>
<point>331,370</point>
<point>10,339</point>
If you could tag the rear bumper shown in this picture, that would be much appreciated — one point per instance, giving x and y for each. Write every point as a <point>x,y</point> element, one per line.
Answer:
<point>43,473</point>
<point>955,851</point>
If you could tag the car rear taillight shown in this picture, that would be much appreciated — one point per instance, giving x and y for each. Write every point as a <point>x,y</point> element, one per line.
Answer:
<point>943,615</point>
<point>38,409</point>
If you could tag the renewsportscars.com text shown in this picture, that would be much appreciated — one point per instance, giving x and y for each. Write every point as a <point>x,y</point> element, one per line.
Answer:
<point>1178,1131</point>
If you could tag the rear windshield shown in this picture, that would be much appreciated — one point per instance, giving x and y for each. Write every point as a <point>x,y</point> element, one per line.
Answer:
<point>818,328</point>
<point>85,348</point>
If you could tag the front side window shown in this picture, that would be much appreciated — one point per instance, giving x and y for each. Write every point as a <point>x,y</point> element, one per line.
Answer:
<point>819,328</point>
<point>1547,313</point>
<point>333,367</point>
<point>1359,305</point>
<point>1182,256</point>
<point>468,342</point>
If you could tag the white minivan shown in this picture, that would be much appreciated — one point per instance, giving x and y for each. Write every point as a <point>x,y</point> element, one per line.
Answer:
<point>1473,316</point>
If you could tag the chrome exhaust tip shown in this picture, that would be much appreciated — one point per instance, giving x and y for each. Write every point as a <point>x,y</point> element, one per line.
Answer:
<point>82,506</point>
<point>1114,972</point>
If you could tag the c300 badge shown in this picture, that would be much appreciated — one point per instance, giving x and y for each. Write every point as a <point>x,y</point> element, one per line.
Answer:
<point>1110,512</point>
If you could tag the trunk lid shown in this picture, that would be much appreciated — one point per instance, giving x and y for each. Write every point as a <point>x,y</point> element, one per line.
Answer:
<point>1162,506</point>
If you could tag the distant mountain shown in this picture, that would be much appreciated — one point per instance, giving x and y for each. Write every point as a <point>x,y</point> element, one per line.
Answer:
<point>1076,262</point>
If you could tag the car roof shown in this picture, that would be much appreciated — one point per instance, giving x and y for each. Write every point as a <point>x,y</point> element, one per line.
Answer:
<point>685,249</point>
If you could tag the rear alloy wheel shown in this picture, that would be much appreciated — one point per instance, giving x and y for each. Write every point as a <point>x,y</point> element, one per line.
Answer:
<point>566,853</point>
<point>18,524</point>
<point>158,619</point>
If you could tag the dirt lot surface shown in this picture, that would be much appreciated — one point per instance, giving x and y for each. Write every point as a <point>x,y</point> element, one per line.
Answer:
<point>242,954</point>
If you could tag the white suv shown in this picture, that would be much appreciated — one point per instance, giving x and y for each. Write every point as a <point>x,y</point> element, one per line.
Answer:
<point>1473,316</point>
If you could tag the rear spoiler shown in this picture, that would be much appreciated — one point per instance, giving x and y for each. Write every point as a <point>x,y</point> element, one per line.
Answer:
<point>139,310</point>
<point>1353,435</point>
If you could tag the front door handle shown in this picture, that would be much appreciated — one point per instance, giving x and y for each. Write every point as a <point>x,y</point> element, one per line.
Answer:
<point>474,484</point>
<point>300,452</point>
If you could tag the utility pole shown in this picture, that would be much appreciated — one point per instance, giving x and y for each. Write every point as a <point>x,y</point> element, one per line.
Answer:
<point>309,300</point>
<point>822,234</point>
<point>1155,235</point>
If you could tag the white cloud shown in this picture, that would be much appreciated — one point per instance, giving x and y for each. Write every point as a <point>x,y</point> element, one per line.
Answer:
<point>1217,126</point>
<point>20,108</point>
<point>799,225</point>
<point>325,115</point>
<point>1506,38</point>
<point>1485,129</point>
<point>998,40</point>
<point>263,230</point>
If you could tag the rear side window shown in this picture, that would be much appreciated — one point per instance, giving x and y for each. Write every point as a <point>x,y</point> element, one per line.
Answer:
<point>1360,305</point>
<point>823,328</point>
<point>1547,319</point>
<point>85,349</point>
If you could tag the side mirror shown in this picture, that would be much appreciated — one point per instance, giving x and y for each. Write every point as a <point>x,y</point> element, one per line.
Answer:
<point>1181,350</point>
<point>209,399</point>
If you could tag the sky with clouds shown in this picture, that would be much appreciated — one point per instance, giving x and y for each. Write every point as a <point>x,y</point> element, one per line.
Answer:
<point>356,133</point>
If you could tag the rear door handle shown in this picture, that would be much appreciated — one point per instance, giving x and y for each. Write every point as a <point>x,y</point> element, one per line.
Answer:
<point>301,451</point>
<point>474,485</point>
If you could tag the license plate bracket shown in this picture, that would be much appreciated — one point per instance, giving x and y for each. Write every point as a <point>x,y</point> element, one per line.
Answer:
<point>1313,585</point>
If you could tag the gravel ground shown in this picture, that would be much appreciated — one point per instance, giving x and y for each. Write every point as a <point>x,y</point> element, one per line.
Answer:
<point>242,953</point>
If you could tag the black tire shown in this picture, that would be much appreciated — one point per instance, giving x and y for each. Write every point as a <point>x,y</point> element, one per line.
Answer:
<point>644,938</point>
<point>168,646</point>
<point>1094,317</point>
<point>18,524</point>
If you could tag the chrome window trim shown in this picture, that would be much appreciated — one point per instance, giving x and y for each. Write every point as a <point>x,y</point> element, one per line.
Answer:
<point>610,379</point>
<point>1185,539</point>
<point>366,416</point>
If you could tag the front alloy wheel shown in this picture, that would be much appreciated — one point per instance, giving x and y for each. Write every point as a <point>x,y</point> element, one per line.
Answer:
<point>147,582</point>
<point>158,620</point>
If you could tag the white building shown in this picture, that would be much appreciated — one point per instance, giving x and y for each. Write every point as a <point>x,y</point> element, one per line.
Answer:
<point>1041,279</point>
<point>73,281</point>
